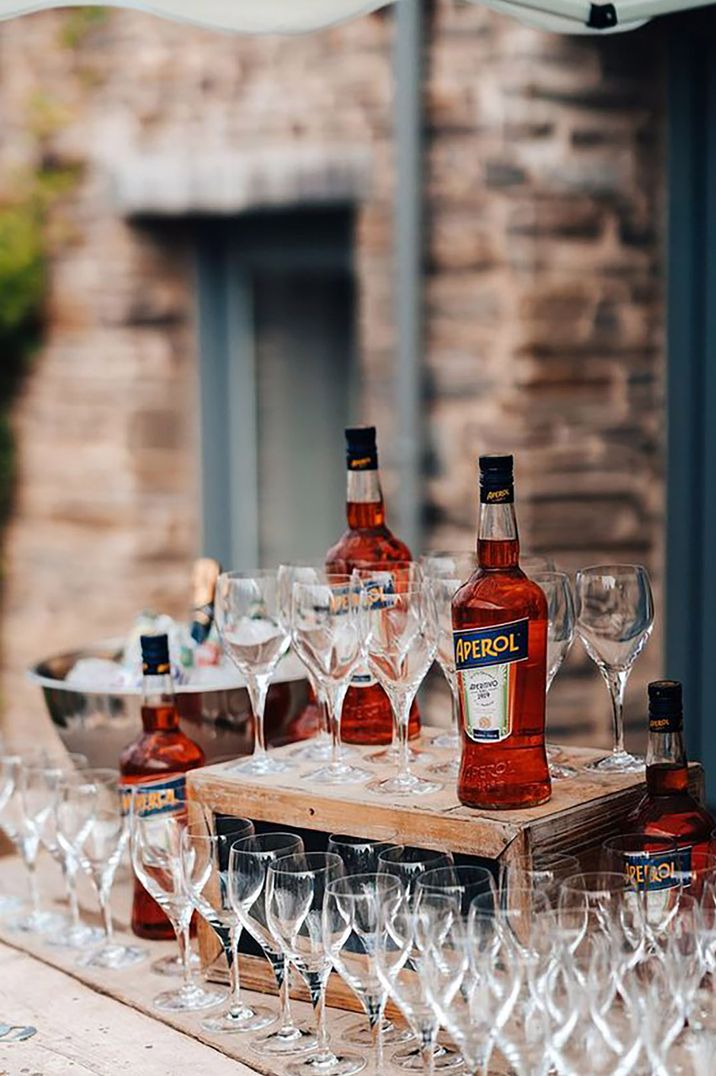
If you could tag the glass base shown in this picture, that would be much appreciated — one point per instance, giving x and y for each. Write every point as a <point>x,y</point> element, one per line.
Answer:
<point>339,774</point>
<point>260,765</point>
<point>189,999</point>
<point>446,769</point>
<point>552,750</point>
<point>617,762</point>
<point>359,1034</point>
<point>444,1060</point>
<point>316,750</point>
<point>391,756</point>
<point>39,923</point>
<point>172,965</point>
<point>287,1040</point>
<point>112,956</point>
<point>10,905</point>
<point>558,771</point>
<point>405,784</point>
<point>246,1018</point>
<point>79,937</point>
<point>452,740</point>
<point>330,1064</point>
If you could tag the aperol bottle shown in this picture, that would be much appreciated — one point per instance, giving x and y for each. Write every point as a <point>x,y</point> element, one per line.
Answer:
<point>668,808</point>
<point>500,636</point>
<point>367,715</point>
<point>157,759</point>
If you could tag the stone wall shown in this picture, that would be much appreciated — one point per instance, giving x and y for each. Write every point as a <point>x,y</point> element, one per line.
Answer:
<point>543,308</point>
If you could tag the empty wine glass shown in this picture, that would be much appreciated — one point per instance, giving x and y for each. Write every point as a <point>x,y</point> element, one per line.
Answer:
<point>401,645</point>
<point>615,615</point>
<point>247,617</point>
<point>205,862</point>
<point>461,883</point>
<point>560,635</point>
<point>23,819</point>
<point>379,578</point>
<point>156,846</point>
<point>359,854</point>
<point>318,749</point>
<point>249,860</point>
<point>327,622</point>
<point>101,846</point>
<point>407,863</point>
<point>545,874</point>
<point>351,928</point>
<point>9,769</point>
<point>296,889</point>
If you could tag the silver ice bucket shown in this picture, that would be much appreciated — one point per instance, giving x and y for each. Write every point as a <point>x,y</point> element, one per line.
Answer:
<point>99,724</point>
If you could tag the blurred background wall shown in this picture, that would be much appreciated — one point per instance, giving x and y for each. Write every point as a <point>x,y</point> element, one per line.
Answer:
<point>204,225</point>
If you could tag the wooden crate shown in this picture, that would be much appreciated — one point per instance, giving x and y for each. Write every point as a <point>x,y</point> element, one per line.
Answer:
<point>580,815</point>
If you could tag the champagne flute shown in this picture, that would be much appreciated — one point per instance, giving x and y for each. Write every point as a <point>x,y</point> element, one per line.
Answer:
<point>560,635</point>
<point>249,860</point>
<point>205,862</point>
<point>247,617</point>
<point>401,643</point>
<point>327,621</point>
<point>156,846</point>
<point>615,615</point>
<point>318,749</point>
<point>296,888</point>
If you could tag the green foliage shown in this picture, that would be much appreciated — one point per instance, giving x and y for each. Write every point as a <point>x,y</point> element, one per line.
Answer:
<point>79,23</point>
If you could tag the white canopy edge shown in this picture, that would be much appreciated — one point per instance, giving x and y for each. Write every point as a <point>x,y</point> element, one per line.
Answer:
<point>302,16</point>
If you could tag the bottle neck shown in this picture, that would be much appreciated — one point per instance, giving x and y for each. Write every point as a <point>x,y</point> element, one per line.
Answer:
<point>498,544</point>
<point>364,500</point>
<point>666,764</point>
<point>159,712</point>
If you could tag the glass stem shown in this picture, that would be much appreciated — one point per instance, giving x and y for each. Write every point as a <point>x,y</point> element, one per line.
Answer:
<point>70,870</point>
<point>32,884</point>
<point>335,698</point>
<point>427,1050</point>
<point>616,682</point>
<point>258,689</point>
<point>323,1049</point>
<point>454,695</point>
<point>103,896</point>
<point>286,1020</point>
<point>401,710</point>
<point>182,933</point>
<point>235,1005</point>
<point>376,1035</point>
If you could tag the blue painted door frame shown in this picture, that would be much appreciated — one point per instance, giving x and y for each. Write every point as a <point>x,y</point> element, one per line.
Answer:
<point>691,499</point>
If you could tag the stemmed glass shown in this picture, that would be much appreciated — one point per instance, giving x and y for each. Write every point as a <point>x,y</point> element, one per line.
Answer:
<point>407,863</point>
<point>359,854</point>
<point>462,884</point>
<point>351,929</point>
<point>401,645</point>
<point>318,748</point>
<point>615,615</point>
<point>101,846</point>
<point>205,863</point>
<point>327,622</point>
<point>9,770</point>
<point>378,579</point>
<point>249,859</point>
<point>23,820</point>
<point>247,616</point>
<point>560,635</point>
<point>296,889</point>
<point>156,846</point>
<point>446,572</point>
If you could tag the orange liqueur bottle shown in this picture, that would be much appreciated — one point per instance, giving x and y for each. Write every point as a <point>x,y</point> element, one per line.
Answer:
<point>668,808</point>
<point>367,716</point>
<point>159,758</point>
<point>500,634</point>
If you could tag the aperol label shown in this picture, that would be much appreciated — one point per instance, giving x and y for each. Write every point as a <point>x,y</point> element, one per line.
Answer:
<point>485,660</point>
<point>164,796</point>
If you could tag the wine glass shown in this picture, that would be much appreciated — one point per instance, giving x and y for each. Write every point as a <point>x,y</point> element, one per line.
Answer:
<point>205,863</point>
<point>401,645</point>
<point>359,854</point>
<point>296,889</point>
<point>379,577</point>
<point>560,635</point>
<point>9,769</point>
<point>351,928</point>
<point>101,846</point>
<point>461,883</point>
<point>249,859</point>
<point>23,819</point>
<point>318,749</point>
<point>547,872</point>
<point>327,622</point>
<point>247,617</point>
<point>531,563</point>
<point>407,863</point>
<point>156,846</point>
<point>615,615</point>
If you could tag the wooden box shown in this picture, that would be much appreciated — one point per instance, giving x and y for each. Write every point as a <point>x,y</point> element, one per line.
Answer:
<point>581,814</point>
